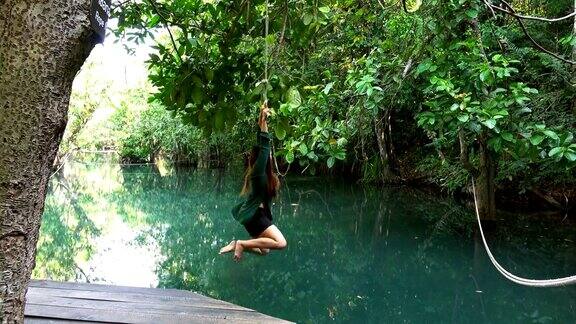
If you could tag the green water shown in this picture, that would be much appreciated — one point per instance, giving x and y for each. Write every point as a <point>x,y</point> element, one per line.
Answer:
<point>355,254</point>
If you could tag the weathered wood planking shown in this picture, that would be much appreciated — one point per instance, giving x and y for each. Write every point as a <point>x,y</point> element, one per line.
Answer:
<point>34,320</point>
<point>64,303</point>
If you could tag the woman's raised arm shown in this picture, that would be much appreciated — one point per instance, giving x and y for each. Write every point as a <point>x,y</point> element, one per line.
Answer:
<point>264,113</point>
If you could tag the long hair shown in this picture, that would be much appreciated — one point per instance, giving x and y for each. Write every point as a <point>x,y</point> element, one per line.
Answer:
<point>273,181</point>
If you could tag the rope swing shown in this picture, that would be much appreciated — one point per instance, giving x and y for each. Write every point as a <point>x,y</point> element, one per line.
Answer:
<point>266,55</point>
<point>266,81</point>
<point>519,280</point>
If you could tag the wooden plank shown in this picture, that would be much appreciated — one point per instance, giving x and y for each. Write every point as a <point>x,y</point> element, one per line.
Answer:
<point>64,303</point>
<point>197,300</point>
<point>38,320</point>
<point>165,293</point>
<point>111,288</point>
<point>81,314</point>
<point>167,310</point>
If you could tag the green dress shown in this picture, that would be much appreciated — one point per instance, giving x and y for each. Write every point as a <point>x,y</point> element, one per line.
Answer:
<point>244,211</point>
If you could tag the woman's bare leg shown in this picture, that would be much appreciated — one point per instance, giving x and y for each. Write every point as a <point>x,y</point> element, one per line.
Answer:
<point>230,247</point>
<point>271,239</point>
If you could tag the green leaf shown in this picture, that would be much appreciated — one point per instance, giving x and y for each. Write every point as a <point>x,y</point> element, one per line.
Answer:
<point>293,97</point>
<point>551,134</point>
<point>570,156</point>
<point>260,87</point>
<point>496,143</point>
<point>328,87</point>
<point>568,138</point>
<point>508,137</point>
<point>154,21</point>
<point>472,13</point>
<point>463,118</point>
<point>413,5</point>
<point>423,67</point>
<point>497,58</point>
<point>312,156</point>
<point>555,151</point>
<point>285,109</point>
<point>197,95</point>
<point>330,162</point>
<point>290,157</point>
<point>324,9</point>
<point>209,74</point>
<point>280,132</point>
<point>307,19</point>
<point>530,90</point>
<point>484,75</point>
<point>303,149</point>
<point>536,139</point>
<point>490,123</point>
<point>219,121</point>
<point>154,57</point>
<point>196,80</point>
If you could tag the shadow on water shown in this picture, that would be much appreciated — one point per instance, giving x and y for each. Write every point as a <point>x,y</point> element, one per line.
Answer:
<point>355,254</point>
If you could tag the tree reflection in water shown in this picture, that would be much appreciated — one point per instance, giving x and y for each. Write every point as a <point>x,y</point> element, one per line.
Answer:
<point>66,231</point>
<point>355,254</point>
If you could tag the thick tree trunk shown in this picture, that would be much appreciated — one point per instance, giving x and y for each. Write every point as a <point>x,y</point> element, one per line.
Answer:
<point>42,46</point>
<point>484,176</point>
<point>383,130</point>
<point>485,186</point>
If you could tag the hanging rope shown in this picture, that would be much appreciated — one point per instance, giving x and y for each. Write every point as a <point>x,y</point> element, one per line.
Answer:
<point>519,280</point>
<point>266,58</point>
<point>266,81</point>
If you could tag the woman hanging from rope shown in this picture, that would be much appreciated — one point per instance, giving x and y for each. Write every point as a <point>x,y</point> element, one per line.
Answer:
<point>261,184</point>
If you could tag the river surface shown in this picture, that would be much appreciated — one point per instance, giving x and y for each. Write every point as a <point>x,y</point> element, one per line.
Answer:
<point>356,254</point>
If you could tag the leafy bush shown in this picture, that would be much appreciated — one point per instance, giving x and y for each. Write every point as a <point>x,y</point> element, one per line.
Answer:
<point>153,132</point>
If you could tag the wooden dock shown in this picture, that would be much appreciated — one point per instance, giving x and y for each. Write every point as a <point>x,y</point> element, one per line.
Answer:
<point>63,302</point>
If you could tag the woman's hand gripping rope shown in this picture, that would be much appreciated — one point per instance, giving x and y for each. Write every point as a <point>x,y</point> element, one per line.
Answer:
<point>264,113</point>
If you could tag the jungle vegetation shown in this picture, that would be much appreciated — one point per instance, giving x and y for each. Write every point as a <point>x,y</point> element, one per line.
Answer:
<point>434,94</point>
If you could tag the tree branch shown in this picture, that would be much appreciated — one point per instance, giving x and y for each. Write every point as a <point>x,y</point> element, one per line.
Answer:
<point>519,18</point>
<point>119,5</point>
<point>512,12</point>
<point>404,6</point>
<point>464,158</point>
<point>164,21</point>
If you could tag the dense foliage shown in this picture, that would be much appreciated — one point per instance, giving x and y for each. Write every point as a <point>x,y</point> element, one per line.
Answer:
<point>449,90</point>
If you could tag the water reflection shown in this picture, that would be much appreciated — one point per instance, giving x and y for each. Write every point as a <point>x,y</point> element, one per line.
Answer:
<point>67,232</point>
<point>355,254</point>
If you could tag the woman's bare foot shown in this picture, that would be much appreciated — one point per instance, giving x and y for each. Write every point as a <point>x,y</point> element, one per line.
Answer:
<point>228,248</point>
<point>238,250</point>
